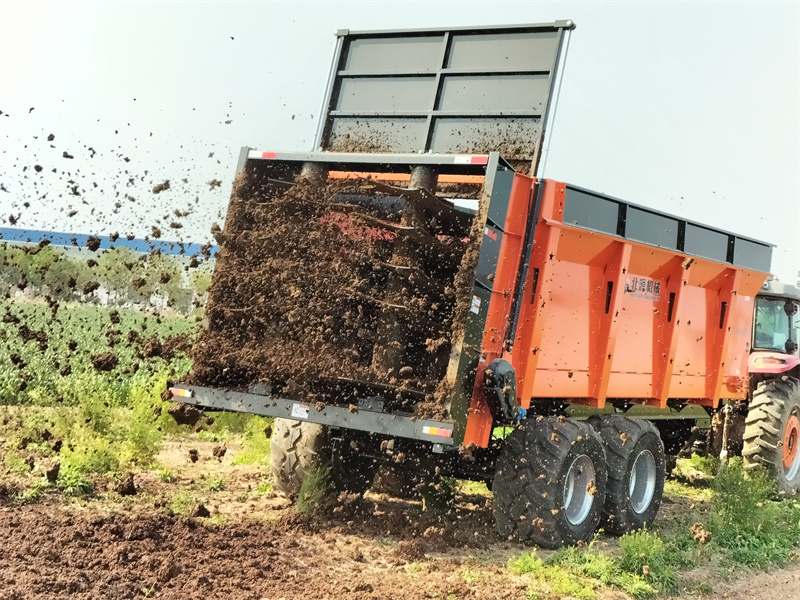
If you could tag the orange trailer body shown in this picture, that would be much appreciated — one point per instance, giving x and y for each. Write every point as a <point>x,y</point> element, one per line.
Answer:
<point>604,317</point>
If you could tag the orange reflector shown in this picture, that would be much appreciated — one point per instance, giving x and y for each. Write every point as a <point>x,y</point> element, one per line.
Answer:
<point>437,431</point>
<point>476,179</point>
<point>181,393</point>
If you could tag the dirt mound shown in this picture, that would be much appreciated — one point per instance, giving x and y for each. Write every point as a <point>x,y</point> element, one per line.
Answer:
<point>53,552</point>
<point>104,362</point>
<point>7,492</point>
<point>127,487</point>
<point>185,414</point>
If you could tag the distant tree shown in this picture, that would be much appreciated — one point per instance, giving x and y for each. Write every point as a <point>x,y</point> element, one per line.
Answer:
<point>116,270</point>
<point>201,281</point>
<point>11,270</point>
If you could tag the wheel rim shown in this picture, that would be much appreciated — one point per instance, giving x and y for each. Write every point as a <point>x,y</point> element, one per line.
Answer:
<point>642,483</point>
<point>579,490</point>
<point>791,456</point>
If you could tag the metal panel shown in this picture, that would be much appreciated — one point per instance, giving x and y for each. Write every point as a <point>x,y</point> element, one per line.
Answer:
<point>752,254</point>
<point>333,416</point>
<point>590,211</point>
<point>515,139</point>
<point>704,242</point>
<point>467,90</point>
<point>406,54</point>
<point>489,256</point>
<point>651,228</point>
<point>499,93</point>
<point>598,212</point>
<point>357,134</point>
<point>385,94</point>
<point>505,50</point>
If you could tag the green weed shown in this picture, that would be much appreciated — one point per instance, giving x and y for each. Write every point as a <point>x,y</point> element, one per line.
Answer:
<point>214,484</point>
<point>315,487</point>
<point>32,494</point>
<point>438,495</point>
<point>754,530</point>
<point>214,436</point>
<point>473,488</point>
<point>580,572</point>
<point>643,553</point>
<point>255,443</point>
<point>14,462</point>
<point>165,475</point>
<point>550,579</point>
<point>182,502</point>
<point>73,482</point>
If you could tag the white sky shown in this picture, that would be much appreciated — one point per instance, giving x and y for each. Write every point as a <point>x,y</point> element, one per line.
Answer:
<point>687,107</point>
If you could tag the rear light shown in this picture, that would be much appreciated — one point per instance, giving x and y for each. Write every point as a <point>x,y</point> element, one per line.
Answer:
<point>470,160</point>
<point>177,392</point>
<point>768,360</point>
<point>437,431</point>
<point>260,154</point>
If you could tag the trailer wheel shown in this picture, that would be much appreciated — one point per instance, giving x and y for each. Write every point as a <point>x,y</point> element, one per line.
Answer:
<point>550,483</point>
<point>636,471</point>
<point>297,448</point>
<point>772,433</point>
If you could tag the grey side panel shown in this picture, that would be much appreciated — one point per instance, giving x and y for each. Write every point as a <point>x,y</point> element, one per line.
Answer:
<point>598,212</point>
<point>467,90</point>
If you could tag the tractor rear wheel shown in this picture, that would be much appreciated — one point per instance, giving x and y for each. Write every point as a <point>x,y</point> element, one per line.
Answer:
<point>772,433</point>
<point>550,483</point>
<point>636,471</point>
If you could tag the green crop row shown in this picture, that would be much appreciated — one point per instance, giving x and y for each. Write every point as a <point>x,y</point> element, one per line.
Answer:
<point>54,364</point>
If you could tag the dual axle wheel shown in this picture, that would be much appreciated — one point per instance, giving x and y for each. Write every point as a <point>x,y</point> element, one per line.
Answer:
<point>557,480</point>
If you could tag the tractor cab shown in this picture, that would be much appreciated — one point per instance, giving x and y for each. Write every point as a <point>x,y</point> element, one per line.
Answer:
<point>776,325</point>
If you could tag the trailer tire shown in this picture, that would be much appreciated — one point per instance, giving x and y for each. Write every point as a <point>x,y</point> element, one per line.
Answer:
<point>550,483</point>
<point>296,448</point>
<point>772,431</point>
<point>636,472</point>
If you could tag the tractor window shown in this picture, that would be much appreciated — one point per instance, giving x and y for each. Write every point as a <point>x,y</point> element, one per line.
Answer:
<point>773,327</point>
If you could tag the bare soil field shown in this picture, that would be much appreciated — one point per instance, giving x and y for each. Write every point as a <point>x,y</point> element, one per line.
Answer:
<point>254,545</point>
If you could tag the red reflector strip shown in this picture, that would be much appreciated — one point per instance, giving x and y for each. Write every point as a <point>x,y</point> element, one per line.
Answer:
<point>470,160</point>
<point>181,393</point>
<point>267,155</point>
<point>437,431</point>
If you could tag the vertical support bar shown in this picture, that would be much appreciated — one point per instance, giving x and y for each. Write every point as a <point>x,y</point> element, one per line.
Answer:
<point>540,154</point>
<point>534,204</point>
<point>437,90</point>
<point>423,177</point>
<point>665,328</point>
<point>327,100</point>
<point>606,300</point>
<point>718,333</point>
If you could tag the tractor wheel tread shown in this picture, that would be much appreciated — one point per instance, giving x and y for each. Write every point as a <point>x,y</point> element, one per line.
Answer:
<point>624,439</point>
<point>772,404</point>
<point>528,503</point>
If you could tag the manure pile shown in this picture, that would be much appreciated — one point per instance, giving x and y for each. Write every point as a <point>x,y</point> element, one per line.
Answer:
<point>352,281</point>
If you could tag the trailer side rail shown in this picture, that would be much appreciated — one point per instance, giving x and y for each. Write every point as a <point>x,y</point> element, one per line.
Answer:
<point>354,417</point>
